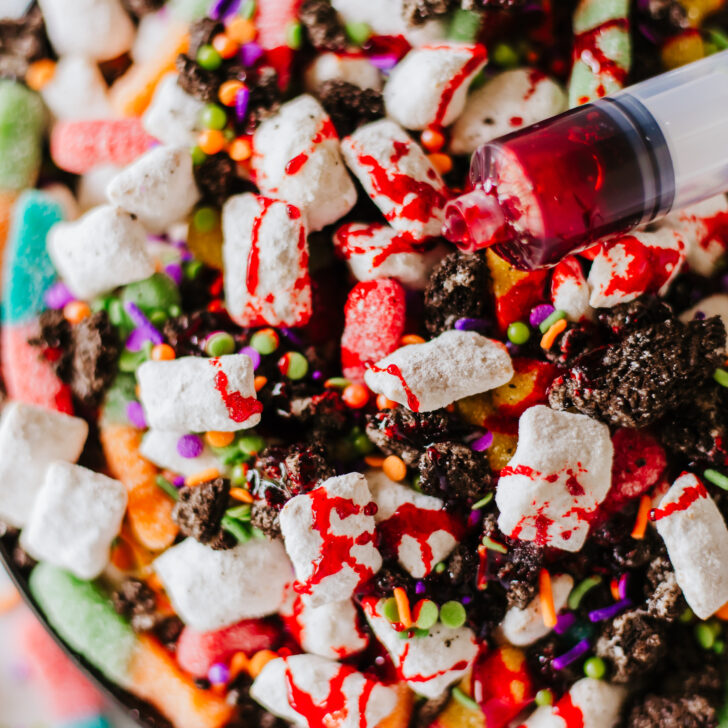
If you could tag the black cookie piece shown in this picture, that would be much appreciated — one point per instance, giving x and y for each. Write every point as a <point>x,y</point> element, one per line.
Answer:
<point>22,41</point>
<point>665,599</point>
<point>199,512</point>
<point>520,571</point>
<point>137,602</point>
<point>140,8</point>
<point>216,177</point>
<point>187,333</point>
<point>54,332</point>
<point>197,81</point>
<point>577,340</point>
<point>265,96</point>
<point>250,713</point>
<point>417,12</point>
<point>451,470</point>
<point>321,415</point>
<point>322,24</point>
<point>202,31</point>
<point>265,518</point>
<point>298,468</point>
<point>168,631</point>
<point>458,288</point>
<point>349,106</point>
<point>426,711</point>
<point>653,370</point>
<point>643,311</point>
<point>657,711</point>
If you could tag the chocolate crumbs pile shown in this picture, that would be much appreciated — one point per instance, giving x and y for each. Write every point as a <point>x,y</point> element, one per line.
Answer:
<point>199,512</point>
<point>350,106</point>
<point>322,24</point>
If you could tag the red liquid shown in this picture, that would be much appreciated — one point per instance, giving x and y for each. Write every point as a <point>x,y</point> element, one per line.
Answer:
<point>686,499</point>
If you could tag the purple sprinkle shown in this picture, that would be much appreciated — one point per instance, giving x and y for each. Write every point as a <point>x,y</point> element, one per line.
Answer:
<point>135,413</point>
<point>316,375</point>
<point>385,62</point>
<point>58,295</point>
<point>218,674</point>
<point>465,600</point>
<point>174,271</point>
<point>179,481</point>
<point>560,662</point>
<point>250,54</point>
<point>540,313</point>
<point>136,339</point>
<point>420,587</point>
<point>482,443</point>
<point>513,349</point>
<point>142,323</point>
<point>292,335</point>
<point>622,585</point>
<point>472,324</point>
<point>222,9</point>
<point>599,615</point>
<point>564,622</point>
<point>190,446</point>
<point>474,517</point>
<point>253,354</point>
<point>242,97</point>
<point>699,316</point>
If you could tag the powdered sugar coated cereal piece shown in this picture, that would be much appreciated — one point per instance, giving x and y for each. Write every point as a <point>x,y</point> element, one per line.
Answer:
<point>373,250</point>
<point>715,305</point>
<point>329,536</point>
<point>103,249</point>
<point>429,85</point>
<point>506,102</point>
<point>191,394</point>
<point>30,439</point>
<point>76,516</point>
<point>428,664</point>
<point>374,323</point>
<point>570,291</point>
<point>173,115</point>
<point>158,188</point>
<point>91,190</point>
<point>558,476</point>
<point>696,538</point>
<point>432,375</point>
<point>265,253</point>
<point>212,589</point>
<point>320,688</point>
<point>296,158</point>
<point>77,90</point>
<point>160,447</point>
<point>354,69</point>
<point>398,177</point>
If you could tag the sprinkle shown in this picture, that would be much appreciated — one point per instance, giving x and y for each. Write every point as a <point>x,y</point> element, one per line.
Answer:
<point>218,674</point>
<point>178,481</point>
<point>190,446</point>
<point>260,382</point>
<point>518,333</point>
<point>241,149</point>
<point>384,62</point>
<point>439,568</point>
<point>211,141</point>
<point>548,339</point>
<point>403,607</point>
<point>163,352</point>
<point>167,487</point>
<point>643,516</point>
<point>578,592</point>
<point>222,9</point>
<point>564,622</point>
<point>441,162</point>
<point>453,614</point>
<point>241,494</point>
<point>394,468</point>
<point>546,597</point>
<point>409,339</point>
<point>425,614</point>
<point>219,439</point>
<point>390,610</point>
<point>40,73</point>
<point>544,697</point>
<point>482,443</point>
<point>219,343</point>
<point>464,700</point>
<point>716,478</point>
<point>337,383</point>
<point>599,615</point>
<point>721,376</point>
<point>251,444</point>
<point>492,545</point>
<point>595,668</point>
<point>57,296</point>
<point>580,648</point>
<point>472,324</point>
<point>259,660</point>
<point>482,502</point>
<point>550,320</point>
<point>135,413</point>
<point>238,664</point>
<point>722,613</point>
<point>623,584</point>
<point>540,313</point>
<point>265,341</point>
<point>149,332</point>
<point>242,99</point>
<point>250,53</point>
<point>704,635</point>
<point>433,140</point>
<point>174,271</point>
<point>76,311</point>
<point>614,589</point>
<point>384,403</point>
<point>202,477</point>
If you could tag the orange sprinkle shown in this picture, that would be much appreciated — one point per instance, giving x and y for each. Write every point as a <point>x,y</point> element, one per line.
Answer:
<point>722,613</point>
<point>219,439</point>
<point>163,352</point>
<point>76,311</point>
<point>202,476</point>
<point>259,660</point>
<point>9,600</point>
<point>241,494</point>
<point>121,556</point>
<point>408,339</point>
<point>228,91</point>
<point>614,588</point>
<point>355,396</point>
<point>40,73</point>
<point>384,403</point>
<point>241,149</point>
<point>643,515</point>
<point>238,664</point>
<point>441,162</point>
<point>433,140</point>
<point>548,339</point>
<point>394,468</point>
<point>259,382</point>
<point>374,461</point>
<point>211,141</point>
<point>403,607</point>
<point>225,45</point>
<point>240,30</point>
<point>546,597</point>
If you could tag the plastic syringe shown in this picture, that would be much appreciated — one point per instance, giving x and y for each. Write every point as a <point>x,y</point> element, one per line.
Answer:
<point>599,170</point>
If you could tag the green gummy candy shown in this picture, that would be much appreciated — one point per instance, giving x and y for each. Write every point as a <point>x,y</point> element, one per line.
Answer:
<point>85,618</point>
<point>156,292</point>
<point>22,121</point>
<point>591,13</point>
<point>118,396</point>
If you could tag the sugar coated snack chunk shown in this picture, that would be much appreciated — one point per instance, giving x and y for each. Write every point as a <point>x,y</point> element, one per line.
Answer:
<point>373,250</point>
<point>329,536</point>
<point>162,447</point>
<point>158,188</point>
<point>429,376</point>
<point>569,290</point>
<point>506,102</point>
<point>76,515</point>
<point>429,86</point>
<point>31,438</point>
<point>173,115</point>
<point>198,395</point>
<point>265,253</point>
<point>349,67</point>
<point>77,90</point>
<point>558,476</point>
<point>427,663</point>
<point>296,158</point>
<point>399,178</point>
<point>312,691</point>
<point>105,248</point>
<point>696,538</point>
<point>212,589</point>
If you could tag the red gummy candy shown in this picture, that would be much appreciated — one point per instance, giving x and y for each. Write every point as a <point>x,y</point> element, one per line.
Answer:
<point>273,20</point>
<point>375,317</point>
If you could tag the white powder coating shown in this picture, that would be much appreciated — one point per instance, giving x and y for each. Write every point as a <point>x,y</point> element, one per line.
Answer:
<point>570,291</point>
<point>525,626</point>
<point>158,188</point>
<point>561,471</point>
<point>173,115</point>
<point>320,679</point>
<point>296,158</point>
<point>75,518</point>
<point>103,249</point>
<point>454,365</point>
<point>77,90</point>
<point>357,70</point>
<point>716,305</point>
<point>430,84</point>
<point>696,538</point>
<point>427,664</point>
<point>373,250</point>
<point>184,395</point>
<point>506,102</point>
<point>91,190</point>
<point>31,438</point>
<point>213,589</point>
<point>160,448</point>
<point>265,253</point>
<point>307,547</point>
<point>389,497</point>
<point>398,177</point>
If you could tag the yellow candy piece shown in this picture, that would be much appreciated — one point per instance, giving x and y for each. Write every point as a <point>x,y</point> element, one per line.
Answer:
<point>697,10</point>
<point>682,49</point>
<point>476,409</point>
<point>206,246</point>
<point>515,391</point>
<point>503,275</point>
<point>501,451</point>
<point>458,715</point>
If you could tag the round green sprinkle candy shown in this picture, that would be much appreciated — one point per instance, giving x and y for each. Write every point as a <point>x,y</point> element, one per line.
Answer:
<point>427,614</point>
<point>595,668</point>
<point>704,635</point>
<point>174,310</point>
<point>264,341</point>
<point>247,10</point>
<point>687,615</point>
<point>205,219</point>
<point>716,478</point>
<point>198,156</point>
<point>439,568</point>
<point>293,365</point>
<point>719,647</point>
<point>422,632</point>
<point>219,344</point>
<point>238,476</point>
<point>518,333</point>
<point>213,117</point>
<point>465,700</point>
<point>549,321</point>
<point>505,55</point>
<point>363,444</point>
<point>251,444</point>
<point>156,293</point>
<point>390,611</point>
<point>544,697</point>
<point>721,376</point>
<point>452,614</point>
<point>158,317</point>
<point>209,58</point>
<point>294,35</point>
<point>358,33</point>
<point>192,269</point>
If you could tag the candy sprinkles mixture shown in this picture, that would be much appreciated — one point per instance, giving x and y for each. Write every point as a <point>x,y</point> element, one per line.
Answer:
<point>276,453</point>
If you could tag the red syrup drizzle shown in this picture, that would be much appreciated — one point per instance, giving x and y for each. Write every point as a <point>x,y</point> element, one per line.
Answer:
<point>412,402</point>
<point>689,495</point>
<point>716,229</point>
<point>534,78</point>
<point>295,164</point>
<point>478,57</point>
<point>332,710</point>
<point>460,665</point>
<point>587,50</point>
<point>572,715</point>
<point>516,121</point>
<point>325,131</point>
<point>401,243</point>
<point>239,408</point>
<point>251,276</point>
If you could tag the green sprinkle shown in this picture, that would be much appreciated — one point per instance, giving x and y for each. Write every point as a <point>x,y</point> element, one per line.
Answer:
<point>156,293</point>
<point>482,502</point>
<point>264,341</point>
<point>240,530</point>
<point>716,478</point>
<point>229,455</point>
<point>158,317</point>
<point>239,475</point>
<point>518,333</point>
<point>721,376</point>
<point>578,592</point>
<point>549,321</point>
<point>205,219</point>
<point>704,635</point>
<point>595,668</point>
<point>209,58</point>
<point>193,268</point>
<point>439,568</point>
<point>718,38</point>
<point>219,344</point>
<point>251,444</point>
<point>130,361</point>
<point>719,647</point>
<point>427,614</point>
<point>465,25</point>
<point>248,9</point>
<point>715,627</point>
<point>453,614</point>
<point>294,35</point>
<point>505,55</point>
<point>363,444</point>
<point>358,33</point>
<point>337,383</point>
<point>213,117</point>
<point>390,610</point>
<point>239,513</point>
<point>116,312</point>
<point>167,487</point>
<point>174,310</point>
<point>422,632</point>
<point>464,700</point>
<point>198,156</point>
<point>294,365</point>
<point>544,697</point>
<point>489,543</point>
<point>687,615</point>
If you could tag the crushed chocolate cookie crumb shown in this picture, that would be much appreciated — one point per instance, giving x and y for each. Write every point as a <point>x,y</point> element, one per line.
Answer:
<point>197,81</point>
<point>138,603</point>
<point>199,512</point>
<point>520,571</point>
<point>22,41</point>
<point>417,12</point>
<point>216,177</point>
<point>350,106</point>
<point>638,314</point>
<point>140,8</point>
<point>577,340</point>
<point>251,713</point>
<point>168,631</point>
<point>322,24</point>
<point>657,711</point>
<point>427,711</point>
<point>265,96</point>
<point>54,332</point>
<point>265,518</point>
<point>452,470</point>
<point>665,599</point>
<point>299,467</point>
<point>323,414</point>
<point>201,32</point>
